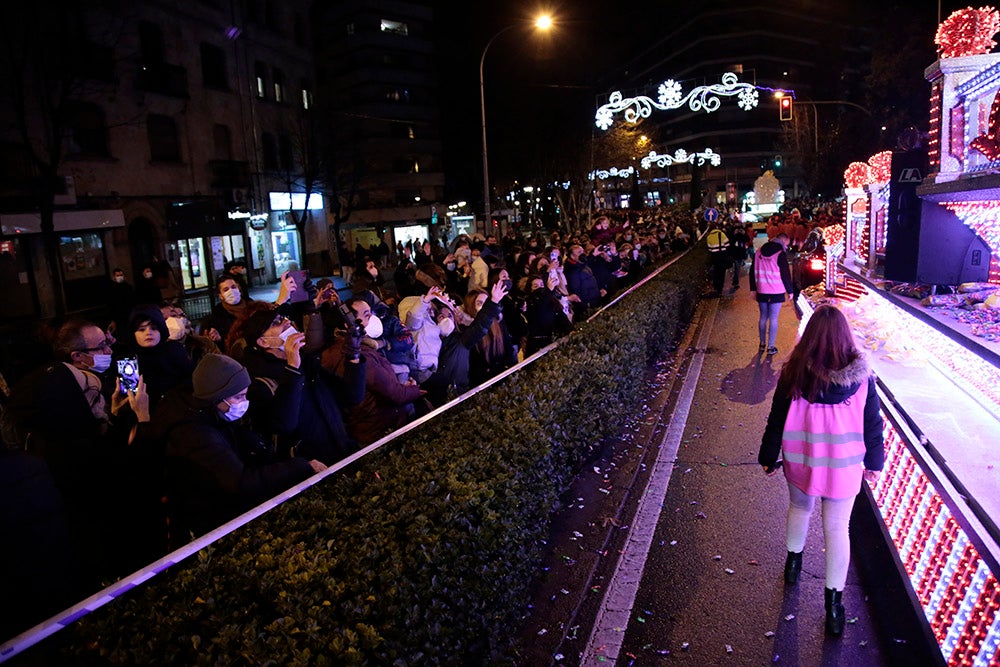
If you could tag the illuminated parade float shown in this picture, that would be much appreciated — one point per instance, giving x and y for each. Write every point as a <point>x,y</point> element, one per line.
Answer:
<point>915,269</point>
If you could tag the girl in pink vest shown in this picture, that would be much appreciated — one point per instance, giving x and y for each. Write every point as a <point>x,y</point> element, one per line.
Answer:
<point>825,424</point>
<point>770,280</point>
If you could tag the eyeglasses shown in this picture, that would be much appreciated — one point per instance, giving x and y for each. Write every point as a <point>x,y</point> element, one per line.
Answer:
<point>279,320</point>
<point>106,345</point>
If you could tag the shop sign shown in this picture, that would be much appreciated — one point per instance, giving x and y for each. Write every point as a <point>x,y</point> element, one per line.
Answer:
<point>258,222</point>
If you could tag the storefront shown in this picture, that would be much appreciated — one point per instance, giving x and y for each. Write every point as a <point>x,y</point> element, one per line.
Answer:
<point>202,238</point>
<point>285,243</point>
<point>83,261</point>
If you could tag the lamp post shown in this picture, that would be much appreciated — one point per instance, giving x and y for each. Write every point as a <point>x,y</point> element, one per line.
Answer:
<point>543,22</point>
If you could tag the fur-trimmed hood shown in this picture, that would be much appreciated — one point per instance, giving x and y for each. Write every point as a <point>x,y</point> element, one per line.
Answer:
<point>844,382</point>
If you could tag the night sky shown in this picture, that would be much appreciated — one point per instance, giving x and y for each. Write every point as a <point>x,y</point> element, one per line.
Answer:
<point>541,89</point>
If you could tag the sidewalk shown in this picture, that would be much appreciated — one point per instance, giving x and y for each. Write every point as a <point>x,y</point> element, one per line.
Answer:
<point>708,587</point>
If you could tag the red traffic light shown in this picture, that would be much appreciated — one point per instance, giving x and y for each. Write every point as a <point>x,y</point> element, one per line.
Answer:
<point>785,108</point>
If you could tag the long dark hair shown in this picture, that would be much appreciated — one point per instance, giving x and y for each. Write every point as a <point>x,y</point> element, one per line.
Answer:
<point>827,345</point>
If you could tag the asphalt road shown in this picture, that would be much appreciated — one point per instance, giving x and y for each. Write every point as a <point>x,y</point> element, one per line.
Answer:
<point>710,587</point>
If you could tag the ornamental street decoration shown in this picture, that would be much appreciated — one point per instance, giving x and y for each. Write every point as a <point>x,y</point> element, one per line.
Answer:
<point>681,156</point>
<point>614,172</point>
<point>670,96</point>
<point>989,144</point>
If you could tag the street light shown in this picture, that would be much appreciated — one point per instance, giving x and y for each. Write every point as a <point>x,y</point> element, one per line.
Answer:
<point>543,22</point>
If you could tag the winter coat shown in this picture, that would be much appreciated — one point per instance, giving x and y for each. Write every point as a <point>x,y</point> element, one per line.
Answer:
<point>580,280</point>
<point>215,470</point>
<point>453,363</point>
<point>387,403</point>
<point>829,443</point>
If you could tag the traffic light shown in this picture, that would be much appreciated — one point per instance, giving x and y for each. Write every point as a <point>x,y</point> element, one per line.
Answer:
<point>785,108</point>
<point>777,162</point>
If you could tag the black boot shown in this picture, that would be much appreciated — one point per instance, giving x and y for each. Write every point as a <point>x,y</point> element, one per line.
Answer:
<point>834,612</point>
<point>793,566</point>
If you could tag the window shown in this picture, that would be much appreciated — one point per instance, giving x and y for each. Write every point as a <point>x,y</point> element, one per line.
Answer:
<point>260,74</point>
<point>394,27</point>
<point>164,143</point>
<point>349,28</point>
<point>269,151</point>
<point>307,96</point>
<point>279,84</point>
<point>151,48</point>
<point>397,95</point>
<point>87,132</point>
<point>213,66</point>
<point>285,153</point>
<point>223,142</point>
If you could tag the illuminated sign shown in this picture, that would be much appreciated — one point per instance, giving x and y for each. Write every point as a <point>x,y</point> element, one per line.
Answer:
<point>296,201</point>
<point>681,156</point>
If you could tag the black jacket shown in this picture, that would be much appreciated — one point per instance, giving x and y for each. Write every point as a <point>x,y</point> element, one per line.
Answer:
<point>304,407</point>
<point>215,470</point>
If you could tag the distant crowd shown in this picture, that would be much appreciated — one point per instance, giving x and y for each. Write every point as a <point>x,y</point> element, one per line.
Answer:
<point>145,429</point>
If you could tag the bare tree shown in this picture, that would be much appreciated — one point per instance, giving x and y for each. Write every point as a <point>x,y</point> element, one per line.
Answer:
<point>51,59</point>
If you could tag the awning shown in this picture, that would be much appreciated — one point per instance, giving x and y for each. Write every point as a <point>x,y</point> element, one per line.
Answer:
<point>63,221</point>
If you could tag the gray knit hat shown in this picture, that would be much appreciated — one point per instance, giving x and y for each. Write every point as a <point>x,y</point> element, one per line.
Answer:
<point>218,377</point>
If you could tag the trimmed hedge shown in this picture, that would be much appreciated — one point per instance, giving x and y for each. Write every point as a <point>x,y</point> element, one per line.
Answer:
<point>425,554</point>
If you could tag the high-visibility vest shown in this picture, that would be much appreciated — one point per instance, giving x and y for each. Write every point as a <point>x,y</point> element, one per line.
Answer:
<point>717,241</point>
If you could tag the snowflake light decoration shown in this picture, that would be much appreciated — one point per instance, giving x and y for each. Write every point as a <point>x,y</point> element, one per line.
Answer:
<point>857,175</point>
<point>968,32</point>
<point>881,166</point>
<point>669,92</point>
<point>748,99</point>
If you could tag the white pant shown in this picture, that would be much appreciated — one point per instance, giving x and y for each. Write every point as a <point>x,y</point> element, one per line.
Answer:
<point>836,518</point>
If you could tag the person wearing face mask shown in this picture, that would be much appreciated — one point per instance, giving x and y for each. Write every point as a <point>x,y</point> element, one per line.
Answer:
<point>388,403</point>
<point>120,299</point>
<point>581,282</point>
<point>546,317</point>
<point>419,314</point>
<point>216,467</point>
<point>292,397</point>
<point>180,330</point>
<point>452,376</point>
<point>71,414</point>
<point>232,305</point>
<point>146,288</point>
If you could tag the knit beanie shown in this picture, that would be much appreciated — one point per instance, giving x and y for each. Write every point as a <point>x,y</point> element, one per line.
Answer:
<point>218,377</point>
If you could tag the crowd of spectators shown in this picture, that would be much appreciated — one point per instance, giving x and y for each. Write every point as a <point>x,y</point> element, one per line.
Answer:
<point>105,472</point>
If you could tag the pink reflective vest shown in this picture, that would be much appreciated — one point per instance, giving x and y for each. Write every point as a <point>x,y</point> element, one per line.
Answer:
<point>767,274</point>
<point>823,446</point>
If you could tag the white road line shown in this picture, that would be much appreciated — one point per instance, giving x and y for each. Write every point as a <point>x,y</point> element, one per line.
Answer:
<point>606,638</point>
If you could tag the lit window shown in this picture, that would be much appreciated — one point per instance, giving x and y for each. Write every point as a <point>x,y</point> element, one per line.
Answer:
<point>395,27</point>
<point>279,85</point>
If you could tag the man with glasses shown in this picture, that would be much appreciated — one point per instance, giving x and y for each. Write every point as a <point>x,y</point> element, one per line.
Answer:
<point>64,414</point>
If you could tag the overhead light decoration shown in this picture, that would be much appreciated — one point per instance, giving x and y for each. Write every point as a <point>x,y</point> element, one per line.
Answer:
<point>881,167</point>
<point>681,156</point>
<point>670,95</point>
<point>614,172</point>
<point>857,175</point>
<point>967,32</point>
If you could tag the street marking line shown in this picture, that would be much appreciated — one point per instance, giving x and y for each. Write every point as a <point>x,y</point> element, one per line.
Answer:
<point>608,634</point>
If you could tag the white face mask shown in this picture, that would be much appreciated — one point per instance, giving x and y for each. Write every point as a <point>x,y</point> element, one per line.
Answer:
<point>236,410</point>
<point>102,362</point>
<point>177,327</point>
<point>374,327</point>
<point>232,297</point>
<point>119,279</point>
<point>373,272</point>
<point>447,325</point>
<point>147,275</point>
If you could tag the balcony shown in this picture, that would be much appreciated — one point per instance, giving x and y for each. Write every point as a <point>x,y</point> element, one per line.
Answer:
<point>162,78</point>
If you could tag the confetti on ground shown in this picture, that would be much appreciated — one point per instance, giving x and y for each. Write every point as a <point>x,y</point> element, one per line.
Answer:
<point>558,656</point>
<point>717,557</point>
<point>776,658</point>
<point>701,515</point>
<point>542,632</point>
<point>673,542</point>
<point>769,633</point>
<point>852,621</point>
<point>863,642</point>
<point>685,646</point>
<point>564,591</point>
<point>729,648</point>
<point>730,571</point>
<point>789,617</point>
